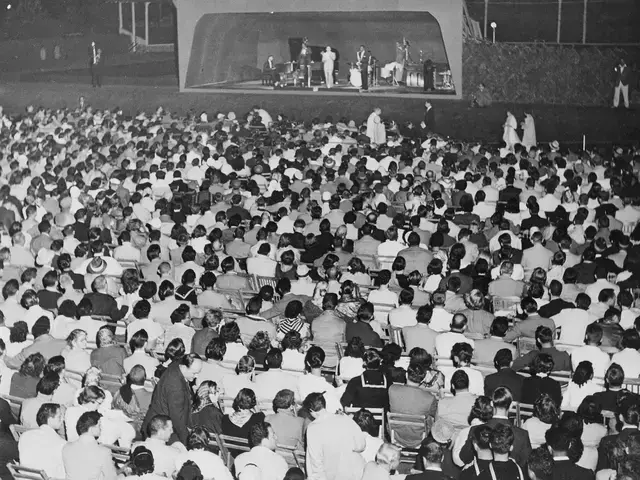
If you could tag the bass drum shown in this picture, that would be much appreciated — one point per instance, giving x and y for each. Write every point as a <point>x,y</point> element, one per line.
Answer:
<point>354,78</point>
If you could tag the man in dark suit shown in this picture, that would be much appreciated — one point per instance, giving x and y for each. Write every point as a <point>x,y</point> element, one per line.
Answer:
<point>629,414</point>
<point>95,65</point>
<point>429,117</point>
<point>559,440</point>
<point>502,400</point>
<point>504,377</point>
<point>172,395</point>
<point>509,191</point>
<point>622,79</point>
<point>269,70</point>
<point>104,304</point>
<point>362,328</point>
<point>363,62</point>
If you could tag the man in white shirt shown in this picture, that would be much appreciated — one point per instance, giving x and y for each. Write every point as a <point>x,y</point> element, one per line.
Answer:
<point>600,284</point>
<point>334,443</point>
<point>391,247</point>
<point>404,315</point>
<point>591,351</point>
<point>261,264</point>
<point>269,383</point>
<point>41,447</point>
<point>629,357</point>
<point>441,319</point>
<point>446,341</point>
<point>159,430</point>
<point>141,311</point>
<point>573,322</point>
<point>262,456</point>
<point>44,392</point>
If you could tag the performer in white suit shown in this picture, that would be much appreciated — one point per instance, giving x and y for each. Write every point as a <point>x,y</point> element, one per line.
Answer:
<point>529,131</point>
<point>510,136</point>
<point>375,128</point>
<point>328,59</point>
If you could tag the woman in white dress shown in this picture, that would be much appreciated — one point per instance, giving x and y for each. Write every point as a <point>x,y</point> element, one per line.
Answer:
<point>375,128</point>
<point>529,131</point>
<point>510,136</point>
<point>328,59</point>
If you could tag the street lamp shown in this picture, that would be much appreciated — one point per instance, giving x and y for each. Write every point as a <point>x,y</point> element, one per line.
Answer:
<point>493,27</point>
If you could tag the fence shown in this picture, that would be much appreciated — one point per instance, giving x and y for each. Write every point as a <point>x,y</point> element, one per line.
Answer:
<point>559,21</point>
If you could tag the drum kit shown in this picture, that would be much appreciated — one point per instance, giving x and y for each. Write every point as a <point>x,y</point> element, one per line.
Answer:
<point>291,75</point>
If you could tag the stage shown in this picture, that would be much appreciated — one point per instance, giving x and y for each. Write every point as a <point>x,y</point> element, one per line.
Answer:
<point>343,87</point>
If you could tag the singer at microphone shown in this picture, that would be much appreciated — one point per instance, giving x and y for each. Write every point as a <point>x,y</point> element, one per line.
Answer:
<point>95,65</point>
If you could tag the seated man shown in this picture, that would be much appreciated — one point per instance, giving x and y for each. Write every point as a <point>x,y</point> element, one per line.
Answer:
<point>269,71</point>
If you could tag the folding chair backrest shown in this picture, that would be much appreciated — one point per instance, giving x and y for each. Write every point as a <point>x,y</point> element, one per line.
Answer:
<point>234,446</point>
<point>505,304</point>
<point>15,403</point>
<point>20,472</point>
<point>396,421</point>
<point>293,457</point>
<point>17,430</point>
<point>120,455</point>
<point>260,281</point>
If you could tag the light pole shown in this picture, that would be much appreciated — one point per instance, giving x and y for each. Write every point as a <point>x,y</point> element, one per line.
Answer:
<point>493,27</point>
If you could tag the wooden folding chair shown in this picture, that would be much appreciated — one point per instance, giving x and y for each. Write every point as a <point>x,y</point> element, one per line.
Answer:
<point>234,447</point>
<point>20,472</point>
<point>416,423</point>
<point>17,430</point>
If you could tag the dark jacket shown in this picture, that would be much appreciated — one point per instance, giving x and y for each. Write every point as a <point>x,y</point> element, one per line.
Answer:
<point>521,443</point>
<point>430,120</point>
<point>172,397</point>
<point>504,378</point>
<point>567,470</point>
<point>605,446</point>
<point>554,307</point>
<point>369,390</point>
<point>8,453</point>
<point>561,360</point>
<point>106,305</point>
<point>534,386</point>
<point>365,332</point>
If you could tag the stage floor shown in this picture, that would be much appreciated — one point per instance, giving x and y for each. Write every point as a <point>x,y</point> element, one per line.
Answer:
<point>343,87</point>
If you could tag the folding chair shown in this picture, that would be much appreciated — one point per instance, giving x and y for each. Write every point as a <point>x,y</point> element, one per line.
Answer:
<point>234,447</point>
<point>402,425</point>
<point>15,403</point>
<point>20,472</point>
<point>17,430</point>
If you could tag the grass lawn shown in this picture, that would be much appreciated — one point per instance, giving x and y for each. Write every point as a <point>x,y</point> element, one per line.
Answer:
<point>454,118</point>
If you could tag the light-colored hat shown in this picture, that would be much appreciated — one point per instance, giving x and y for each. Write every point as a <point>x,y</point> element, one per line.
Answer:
<point>326,196</point>
<point>302,270</point>
<point>442,431</point>
<point>555,145</point>
<point>155,223</point>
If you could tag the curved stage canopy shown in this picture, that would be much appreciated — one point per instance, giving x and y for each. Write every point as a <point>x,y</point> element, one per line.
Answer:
<point>223,43</point>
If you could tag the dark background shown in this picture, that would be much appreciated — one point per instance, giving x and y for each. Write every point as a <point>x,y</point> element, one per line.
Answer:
<point>233,47</point>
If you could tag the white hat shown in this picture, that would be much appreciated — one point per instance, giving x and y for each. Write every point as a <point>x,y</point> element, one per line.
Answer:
<point>44,257</point>
<point>326,196</point>
<point>155,223</point>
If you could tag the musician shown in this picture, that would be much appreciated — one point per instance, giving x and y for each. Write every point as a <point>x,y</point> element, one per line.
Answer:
<point>364,64</point>
<point>269,70</point>
<point>95,65</point>
<point>304,59</point>
<point>429,117</point>
<point>328,59</point>
<point>428,68</point>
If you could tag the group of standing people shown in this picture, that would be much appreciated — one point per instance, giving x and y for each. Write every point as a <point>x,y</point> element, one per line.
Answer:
<point>510,133</point>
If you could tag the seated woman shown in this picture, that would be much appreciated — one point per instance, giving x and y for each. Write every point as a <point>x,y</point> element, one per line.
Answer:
<point>539,382</point>
<point>292,357</point>
<point>387,461</point>
<point>259,347</point>
<point>546,413</point>
<point>434,380</point>
<point>293,321</point>
<point>370,389</point>
<point>349,302</point>
<point>243,378</point>
<point>351,365</point>
<point>75,354</point>
<point>581,386</point>
<point>206,407</point>
<point>109,356</point>
<point>230,333</point>
<point>25,381</point>
<point>461,354</point>
<point>18,339</point>
<point>173,353</point>
<point>286,267</point>
<point>186,292</point>
<point>594,431</point>
<point>238,423</point>
<point>133,398</point>
<point>141,465</point>
<point>139,356</point>
<point>357,272</point>
<point>115,426</point>
<point>313,381</point>
<point>210,464</point>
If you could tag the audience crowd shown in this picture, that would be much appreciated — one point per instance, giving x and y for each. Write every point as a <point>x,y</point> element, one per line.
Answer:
<point>256,298</point>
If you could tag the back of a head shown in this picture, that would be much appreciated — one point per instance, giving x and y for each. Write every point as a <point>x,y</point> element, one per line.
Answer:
<point>501,439</point>
<point>502,398</point>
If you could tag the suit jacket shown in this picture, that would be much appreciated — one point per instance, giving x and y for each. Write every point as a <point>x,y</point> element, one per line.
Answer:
<point>417,258</point>
<point>623,76</point>
<point>561,360</point>
<point>430,120</point>
<point>104,304</point>
<point>504,378</point>
<point>365,332</point>
<point>485,349</point>
<point>534,386</point>
<point>8,453</point>
<point>366,246</point>
<point>567,470</point>
<point>605,446</point>
<point>508,193</point>
<point>521,443</point>
<point>172,397</point>
<point>268,68</point>
<point>527,328</point>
